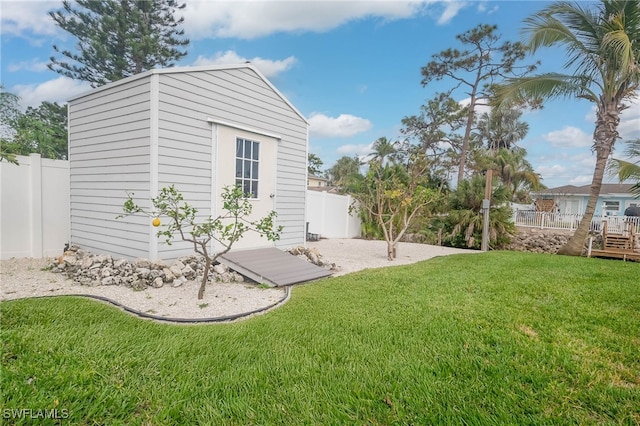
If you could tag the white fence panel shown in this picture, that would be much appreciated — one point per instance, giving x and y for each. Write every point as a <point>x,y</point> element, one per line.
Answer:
<point>328,215</point>
<point>34,207</point>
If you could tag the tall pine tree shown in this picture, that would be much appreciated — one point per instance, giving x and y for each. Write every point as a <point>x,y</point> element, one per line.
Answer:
<point>118,38</point>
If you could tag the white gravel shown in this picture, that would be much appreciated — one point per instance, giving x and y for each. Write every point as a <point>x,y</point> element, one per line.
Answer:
<point>20,278</point>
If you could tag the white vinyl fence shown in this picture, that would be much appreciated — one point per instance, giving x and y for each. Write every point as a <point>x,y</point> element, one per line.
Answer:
<point>34,207</point>
<point>328,215</point>
<point>569,222</point>
<point>35,218</point>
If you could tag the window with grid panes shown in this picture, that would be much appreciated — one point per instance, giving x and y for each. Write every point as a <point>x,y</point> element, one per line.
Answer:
<point>247,161</point>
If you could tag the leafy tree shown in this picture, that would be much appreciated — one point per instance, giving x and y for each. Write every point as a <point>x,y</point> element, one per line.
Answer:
<point>341,174</point>
<point>464,220</point>
<point>226,229</point>
<point>118,38</point>
<point>629,170</point>
<point>314,164</point>
<point>43,130</point>
<point>10,113</point>
<point>602,46</point>
<point>395,194</point>
<point>434,130</point>
<point>476,70</point>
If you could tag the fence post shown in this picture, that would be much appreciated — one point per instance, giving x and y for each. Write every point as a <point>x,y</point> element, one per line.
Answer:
<point>35,200</point>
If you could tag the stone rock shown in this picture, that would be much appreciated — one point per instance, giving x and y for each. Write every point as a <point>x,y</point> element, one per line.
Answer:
<point>70,259</point>
<point>120,263</point>
<point>188,272</point>
<point>142,263</point>
<point>176,269</point>
<point>168,275</point>
<point>220,268</point>
<point>178,282</point>
<point>139,285</point>
<point>158,282</point>
<point>143,272</point>
<point>158,265</point>
<point>107,281</point>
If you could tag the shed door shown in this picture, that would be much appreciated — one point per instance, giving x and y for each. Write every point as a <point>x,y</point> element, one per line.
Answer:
<point>246,159</point>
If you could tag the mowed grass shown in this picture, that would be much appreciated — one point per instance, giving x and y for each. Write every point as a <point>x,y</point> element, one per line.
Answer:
<point>495,338</point>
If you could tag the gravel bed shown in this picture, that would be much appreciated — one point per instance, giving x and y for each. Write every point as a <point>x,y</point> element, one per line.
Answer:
<point>27,277</point>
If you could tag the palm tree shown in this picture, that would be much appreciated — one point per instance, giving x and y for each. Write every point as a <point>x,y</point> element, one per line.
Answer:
<point>603,51</point>
<point>464,219</point>
<point>502,128</point>
<point>516,172</point>
<point>382,149</point>
<point>628,170</point>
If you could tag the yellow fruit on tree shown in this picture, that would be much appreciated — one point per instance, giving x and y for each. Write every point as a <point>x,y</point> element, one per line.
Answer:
<point>155,221</point>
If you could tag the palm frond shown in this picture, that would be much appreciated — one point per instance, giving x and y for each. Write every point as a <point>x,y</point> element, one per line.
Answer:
<point>544,86</point>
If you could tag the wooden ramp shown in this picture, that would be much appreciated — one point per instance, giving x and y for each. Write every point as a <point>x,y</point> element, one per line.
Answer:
<point>272,266</point>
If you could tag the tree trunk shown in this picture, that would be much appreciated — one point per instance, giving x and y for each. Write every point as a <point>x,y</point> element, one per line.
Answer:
<point>465,139</point>
<point>391,250</point>
<point>605,136</point>
<point>207,266</point>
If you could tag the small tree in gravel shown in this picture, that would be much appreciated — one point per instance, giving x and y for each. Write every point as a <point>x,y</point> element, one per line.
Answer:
<point>395,193</point>
<point>225,229</point>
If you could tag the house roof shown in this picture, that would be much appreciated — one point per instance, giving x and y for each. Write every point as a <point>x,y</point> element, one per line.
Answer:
<point>176,70</point>
<point>606,189</point>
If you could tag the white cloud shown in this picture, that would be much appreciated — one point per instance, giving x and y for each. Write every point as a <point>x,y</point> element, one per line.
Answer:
<point>450,11</point>
<point>480,109</point>
<point>245,19</point>
<point>568,137</point>
<point>258,18</point>
<point>581,180</point>
<point>629,127</point>
<point>57,90</point>
<point>270,68</point>
<point>360,150</point>
<point>343,126</point>
<point>555,169</point>
<point>27,16</point>
<point>32,65</point>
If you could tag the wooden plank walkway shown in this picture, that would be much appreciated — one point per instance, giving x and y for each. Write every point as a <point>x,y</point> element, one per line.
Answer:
<point>272,266</point>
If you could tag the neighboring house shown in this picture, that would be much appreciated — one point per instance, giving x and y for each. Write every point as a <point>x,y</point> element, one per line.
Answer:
<point>613,201</point>
<point>316,181</point>
<point>198,128</point>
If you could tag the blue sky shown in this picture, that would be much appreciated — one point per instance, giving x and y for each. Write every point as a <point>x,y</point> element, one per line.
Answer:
<point>352,67</point>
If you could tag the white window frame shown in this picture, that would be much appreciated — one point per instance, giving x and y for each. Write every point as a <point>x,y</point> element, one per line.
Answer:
<point>607,210</point>
<point>248,177</point>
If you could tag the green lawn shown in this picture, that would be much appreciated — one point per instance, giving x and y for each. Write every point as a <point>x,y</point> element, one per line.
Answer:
<point>495,338</point>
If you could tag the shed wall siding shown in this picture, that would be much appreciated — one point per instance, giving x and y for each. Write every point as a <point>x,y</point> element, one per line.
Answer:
<point>241,97</point>
<point>109,155</point>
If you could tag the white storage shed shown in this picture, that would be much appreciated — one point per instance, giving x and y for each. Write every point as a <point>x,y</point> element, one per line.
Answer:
<point>197,128</point>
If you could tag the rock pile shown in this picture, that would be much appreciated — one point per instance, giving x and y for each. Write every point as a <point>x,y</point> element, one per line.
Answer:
<point>538,241</point>
<point>94,269</point>
<point>311,255</point>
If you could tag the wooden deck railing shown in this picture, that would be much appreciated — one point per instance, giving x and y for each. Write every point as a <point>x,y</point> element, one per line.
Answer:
<point>569,222</point>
